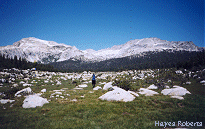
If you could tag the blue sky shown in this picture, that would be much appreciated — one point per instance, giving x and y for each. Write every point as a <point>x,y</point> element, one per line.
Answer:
<point>99,24</point>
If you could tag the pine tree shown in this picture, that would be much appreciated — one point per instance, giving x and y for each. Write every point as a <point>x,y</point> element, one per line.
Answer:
<point>15,62</point>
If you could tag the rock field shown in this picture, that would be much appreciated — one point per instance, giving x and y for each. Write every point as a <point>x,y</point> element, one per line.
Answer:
<point>14,78</point>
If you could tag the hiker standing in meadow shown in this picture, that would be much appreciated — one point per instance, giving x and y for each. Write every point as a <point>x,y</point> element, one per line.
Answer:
<point>93,80</point>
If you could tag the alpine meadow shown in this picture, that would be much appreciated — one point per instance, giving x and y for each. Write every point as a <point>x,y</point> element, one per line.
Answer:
<point>144,83</point>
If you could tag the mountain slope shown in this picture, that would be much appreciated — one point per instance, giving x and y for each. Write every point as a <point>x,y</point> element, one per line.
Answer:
<point>33,49</point>
<point>149,60</point>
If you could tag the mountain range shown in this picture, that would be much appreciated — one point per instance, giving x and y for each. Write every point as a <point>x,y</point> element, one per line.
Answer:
<point>34,49</point>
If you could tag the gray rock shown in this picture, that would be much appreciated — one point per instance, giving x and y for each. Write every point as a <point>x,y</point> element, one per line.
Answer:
<point>25,71</point>
<point>175,91</point>
<point>33,101</point>
<point>27,84</point>
<point>97,88</point>
<point>43,90</point>
<point>4,101</point>
<point>107,86</point>
<point>24,91</point>
<point>117,94</point>
<point>15,85</point>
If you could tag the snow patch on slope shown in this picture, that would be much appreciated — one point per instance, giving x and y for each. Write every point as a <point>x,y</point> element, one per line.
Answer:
<point>34,49</point>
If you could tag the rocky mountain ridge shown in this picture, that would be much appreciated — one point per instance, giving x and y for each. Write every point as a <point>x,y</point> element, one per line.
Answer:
<point>33,49</point>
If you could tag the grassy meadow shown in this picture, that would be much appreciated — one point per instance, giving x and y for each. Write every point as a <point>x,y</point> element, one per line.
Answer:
<point>89,112</point>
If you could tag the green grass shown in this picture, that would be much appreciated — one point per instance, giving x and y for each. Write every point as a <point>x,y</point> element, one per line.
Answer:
<point>90,112</point>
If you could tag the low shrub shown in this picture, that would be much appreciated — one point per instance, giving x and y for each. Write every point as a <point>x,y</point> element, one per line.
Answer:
<point>124,84</point>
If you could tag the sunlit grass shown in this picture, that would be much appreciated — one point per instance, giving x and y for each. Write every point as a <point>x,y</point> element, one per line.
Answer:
<point>90,112</point>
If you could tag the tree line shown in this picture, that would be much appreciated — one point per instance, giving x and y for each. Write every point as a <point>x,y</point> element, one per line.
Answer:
<point>20,63</point>
<point>148,60</point>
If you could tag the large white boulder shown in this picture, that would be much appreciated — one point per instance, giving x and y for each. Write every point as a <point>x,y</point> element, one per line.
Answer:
<point>107,86</point>
<point>176,91</point>
<point>147,92</point>
<point>33,101</point>
<point>24,91</point>
<point>97,88</point>
<point>152,87</point>
<point>117,94</point>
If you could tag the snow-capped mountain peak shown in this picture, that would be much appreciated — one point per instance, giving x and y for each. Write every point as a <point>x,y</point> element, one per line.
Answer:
<point>34,49</point>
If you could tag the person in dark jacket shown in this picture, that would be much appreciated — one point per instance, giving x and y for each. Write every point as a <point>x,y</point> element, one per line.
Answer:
<point>93,80</point>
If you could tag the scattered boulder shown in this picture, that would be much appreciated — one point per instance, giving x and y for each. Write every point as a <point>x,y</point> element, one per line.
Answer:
<point>188,83</point>
<point>202,81</point>
<point>13,79</point>
<point>33,101</point>
<point>3,80</point>
<point>59,90</point>
<point>152,87</point>
<point>175,91</point>
<point>60,93</point>
<point>45,81</point>
<point>147,92</point>
<point>107,86</point>
<point>27,84</point>
<point>62,97</point>
<point>178,72</point>
<point>33,69</point>
<point>21,82</point>
<point>43,90</point>
<point>26,79</point>
<point>58,83</point>
<point>117,94</point>
<point>83,86</point>
<point>74,100</point>
<point>25,71</point>
<point>3,101</point>
<point>177,97</point>
<point>102,83</point>
<point>63,78</point>
<point>97,88</point>
<point>77,88</point>
<point>91,92</point>
<point>15,85</point>
<point>23,92</point>
<point>167,87</point>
